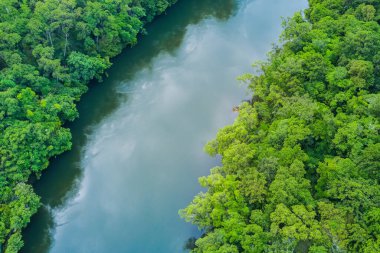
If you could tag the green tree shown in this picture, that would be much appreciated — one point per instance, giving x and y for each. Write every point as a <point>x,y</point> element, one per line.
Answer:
<point>303,155</point>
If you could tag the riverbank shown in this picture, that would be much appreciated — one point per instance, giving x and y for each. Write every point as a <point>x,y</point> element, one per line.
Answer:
<point>135,162</point>
<point>300,164</point>
<point>52,49</point>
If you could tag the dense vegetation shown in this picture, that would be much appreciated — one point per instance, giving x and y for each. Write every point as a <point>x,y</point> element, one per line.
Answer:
<point>49,51</point>
<point>301,164</point>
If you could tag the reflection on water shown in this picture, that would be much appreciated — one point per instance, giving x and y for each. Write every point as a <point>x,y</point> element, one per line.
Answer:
<point>137,146</point>
<point>60,181</point>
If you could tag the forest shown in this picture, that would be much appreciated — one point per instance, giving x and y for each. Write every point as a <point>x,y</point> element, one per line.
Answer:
<point>301,163</point>
<point>49,51</point>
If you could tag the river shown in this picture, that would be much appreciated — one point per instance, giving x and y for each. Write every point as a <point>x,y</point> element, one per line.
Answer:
<point>138,144</point>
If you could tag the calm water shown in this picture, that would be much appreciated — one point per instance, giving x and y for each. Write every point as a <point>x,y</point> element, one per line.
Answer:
<point>138,144</point>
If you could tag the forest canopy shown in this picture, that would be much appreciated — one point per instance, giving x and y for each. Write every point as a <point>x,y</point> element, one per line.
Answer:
<point>301,164</point>
<point>49,51</point>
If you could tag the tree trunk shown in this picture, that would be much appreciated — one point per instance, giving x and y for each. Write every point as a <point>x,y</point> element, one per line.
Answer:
<point>51,41</point>
<point>64,51</point>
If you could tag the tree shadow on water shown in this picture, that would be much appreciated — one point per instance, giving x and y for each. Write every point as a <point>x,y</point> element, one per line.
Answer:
<point>190,244</point>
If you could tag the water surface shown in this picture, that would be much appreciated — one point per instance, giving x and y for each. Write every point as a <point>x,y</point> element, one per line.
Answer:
<point>138,144</point>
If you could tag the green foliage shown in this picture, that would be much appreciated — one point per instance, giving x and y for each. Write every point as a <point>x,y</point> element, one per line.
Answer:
<point>301,162</point>
<point>49,51</point>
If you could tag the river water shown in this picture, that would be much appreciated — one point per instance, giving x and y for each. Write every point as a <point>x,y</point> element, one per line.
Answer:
<point>138,144</point>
